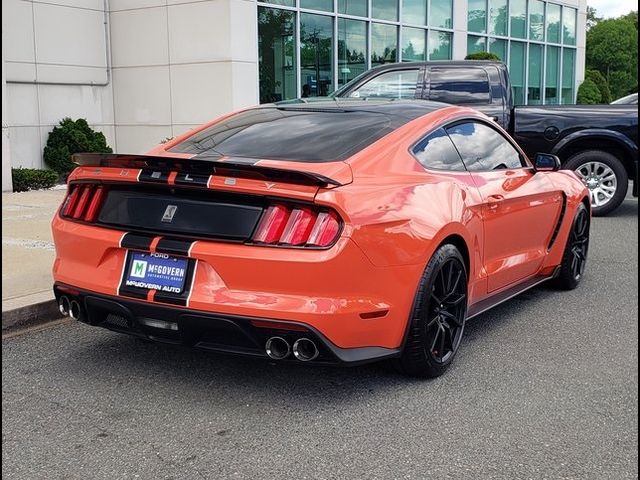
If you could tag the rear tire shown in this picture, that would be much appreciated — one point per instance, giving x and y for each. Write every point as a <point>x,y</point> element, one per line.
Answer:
<point>438,316</point>
<point>604,175</point>
<point>574,258</point>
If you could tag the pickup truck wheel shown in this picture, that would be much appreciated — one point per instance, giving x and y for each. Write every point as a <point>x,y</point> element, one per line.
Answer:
<point>605,177</point>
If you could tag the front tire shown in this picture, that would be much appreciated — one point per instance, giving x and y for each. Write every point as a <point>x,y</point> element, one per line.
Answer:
<point>605,177</point>
<point>574,258</point>
<point>438,316</point>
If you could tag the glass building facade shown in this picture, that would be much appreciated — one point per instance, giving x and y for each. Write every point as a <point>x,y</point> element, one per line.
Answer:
<point>310,48</point>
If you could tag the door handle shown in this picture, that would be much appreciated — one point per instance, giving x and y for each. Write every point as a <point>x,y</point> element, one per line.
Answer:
<point>494,200</point>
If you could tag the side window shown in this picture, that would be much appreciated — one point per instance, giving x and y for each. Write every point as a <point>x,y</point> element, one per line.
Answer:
<point>398,84</point>
<point>459,86</point>
<point>437,152</point>
<point>483,148</point>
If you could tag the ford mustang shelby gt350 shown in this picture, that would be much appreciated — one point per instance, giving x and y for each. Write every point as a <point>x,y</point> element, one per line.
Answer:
<point>334,232</point>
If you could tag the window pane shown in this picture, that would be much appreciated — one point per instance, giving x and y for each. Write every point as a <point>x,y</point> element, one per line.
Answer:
<point>288,3</point>
<point>352,49</point>
<point>483,148</point>
<point>569,26</point>
<point>568,67</point>
<point>477,16</point>
<point>499,47</point>
<point>516,72</point>
<point>276,50</point>
<point>397,84</point>
<point>439,45</point>
<point>316,55</point>
<point>384,9</point>
<point>441,14</point>
<point>553,23</point>
<point>536,20</point>
<point>437,152</point>
<point>518,18</point>
<point>476,44</point>
<point>413,44</point>
<point>326,5</point>
<point>498,17</point>
<point>353,7</point>
<point>459,86</point>
<point>414,11</point>
<point>552,76</point>
<point>534,91</point>
<point>384,43</point>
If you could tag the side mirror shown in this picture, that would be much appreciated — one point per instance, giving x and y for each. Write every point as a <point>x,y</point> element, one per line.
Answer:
<point>546,162</point>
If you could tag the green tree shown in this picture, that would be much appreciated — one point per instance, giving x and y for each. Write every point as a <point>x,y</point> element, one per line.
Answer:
<point>592,17</point>
<point>612,48</point>
<point>482,56</point>
<point>603,86</point>
<point>588,93</point>
<point>68,138</point>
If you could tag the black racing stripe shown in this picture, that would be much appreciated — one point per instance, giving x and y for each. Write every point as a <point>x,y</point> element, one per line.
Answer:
<point>136,241</point>
<point>174,247</point>
<point>133,292</point>
<point>192,179</point>
<point>173,299</point>
<point>157,176</point>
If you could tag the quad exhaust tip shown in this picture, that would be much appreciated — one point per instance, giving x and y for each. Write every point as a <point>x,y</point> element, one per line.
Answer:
<point>63,306</point>
<point>305,350</point>
<point>74,310</point>
<point>277,348</point>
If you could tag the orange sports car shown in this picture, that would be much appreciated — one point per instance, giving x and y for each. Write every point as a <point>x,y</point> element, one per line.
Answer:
<point>335,232</point>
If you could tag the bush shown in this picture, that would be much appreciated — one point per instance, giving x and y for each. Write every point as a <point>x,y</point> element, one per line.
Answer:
<point>603,86</point>
<point>588,93</point>
<point>483,56</point>
<point>32,179</point>
<point>69,138</point>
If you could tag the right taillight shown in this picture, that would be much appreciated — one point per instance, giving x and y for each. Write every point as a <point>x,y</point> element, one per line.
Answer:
<point>83,202</point>
<point>297,226</point>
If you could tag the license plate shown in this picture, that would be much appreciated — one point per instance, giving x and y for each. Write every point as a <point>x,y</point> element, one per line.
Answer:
<point>157,271</point>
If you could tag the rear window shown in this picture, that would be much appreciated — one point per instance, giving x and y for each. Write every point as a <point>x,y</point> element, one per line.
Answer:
<point>295,134</point>
<point>459,86</point>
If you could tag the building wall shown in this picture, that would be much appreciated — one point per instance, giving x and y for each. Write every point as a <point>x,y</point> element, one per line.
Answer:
<point>55,63</point>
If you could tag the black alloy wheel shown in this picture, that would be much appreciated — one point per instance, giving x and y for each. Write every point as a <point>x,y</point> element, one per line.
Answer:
<point>574,259</point>
<point>447,308</point>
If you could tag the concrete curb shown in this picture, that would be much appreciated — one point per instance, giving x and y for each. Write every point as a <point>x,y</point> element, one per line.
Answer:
<point>30,316</point>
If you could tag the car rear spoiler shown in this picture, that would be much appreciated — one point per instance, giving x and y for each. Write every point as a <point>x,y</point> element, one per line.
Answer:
<point>218,165</point>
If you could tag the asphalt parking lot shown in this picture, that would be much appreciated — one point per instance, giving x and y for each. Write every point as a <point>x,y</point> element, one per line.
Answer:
<point>545,386</point>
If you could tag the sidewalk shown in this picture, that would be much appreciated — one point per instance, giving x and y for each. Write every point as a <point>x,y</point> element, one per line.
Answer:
<point>27,248</point>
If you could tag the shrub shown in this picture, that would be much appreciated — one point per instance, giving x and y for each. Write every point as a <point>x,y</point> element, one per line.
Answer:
<point>69,138</point>
<point>32,179</point>
<point>603,86</point>
<point>483,56</point>
<point>588,93</point>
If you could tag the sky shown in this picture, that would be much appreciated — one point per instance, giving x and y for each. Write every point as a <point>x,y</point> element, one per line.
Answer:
<point>612,8</point>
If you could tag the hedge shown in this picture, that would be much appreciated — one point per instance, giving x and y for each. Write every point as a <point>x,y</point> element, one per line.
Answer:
<point>32,179</point>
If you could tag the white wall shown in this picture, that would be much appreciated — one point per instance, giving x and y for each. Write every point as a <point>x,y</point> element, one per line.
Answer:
<point>177,64</point>
<point>55,63</point>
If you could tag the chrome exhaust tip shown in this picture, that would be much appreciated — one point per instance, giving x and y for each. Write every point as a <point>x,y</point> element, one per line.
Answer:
<point>63,306</point>
<point>305,350</point>
<point>74,310</point>
<point>277,348</point>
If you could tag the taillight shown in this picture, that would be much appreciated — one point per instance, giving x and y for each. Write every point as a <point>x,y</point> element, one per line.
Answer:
<point>84,202</point>
<point>297,226</point>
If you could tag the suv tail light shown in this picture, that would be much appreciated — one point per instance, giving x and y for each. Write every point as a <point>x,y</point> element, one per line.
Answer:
<point>297,226</point>
<point>83,202</point>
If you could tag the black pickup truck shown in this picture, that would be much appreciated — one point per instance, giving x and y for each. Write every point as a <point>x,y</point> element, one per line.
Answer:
<point>599,142</point>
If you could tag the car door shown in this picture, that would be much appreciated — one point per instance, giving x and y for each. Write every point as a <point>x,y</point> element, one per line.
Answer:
<point>520,207</point>
<point>466,86</point>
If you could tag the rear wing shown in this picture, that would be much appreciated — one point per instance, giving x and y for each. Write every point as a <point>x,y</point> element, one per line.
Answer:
<point>207,165</point>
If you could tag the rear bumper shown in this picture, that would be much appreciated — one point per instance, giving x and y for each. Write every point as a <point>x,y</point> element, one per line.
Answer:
<point>208,331</point>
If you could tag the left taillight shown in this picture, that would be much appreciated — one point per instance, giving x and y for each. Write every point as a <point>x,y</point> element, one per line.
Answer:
<point>83,202</point>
